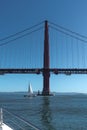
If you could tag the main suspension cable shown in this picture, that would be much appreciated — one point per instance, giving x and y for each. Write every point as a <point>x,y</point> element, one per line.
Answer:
<point>19,37</point>
<point>20,32</point>
<point>66,33</point>
<point>63,28</point>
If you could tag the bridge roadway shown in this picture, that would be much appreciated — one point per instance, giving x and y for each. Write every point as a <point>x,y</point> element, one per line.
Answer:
<point>67,71</point>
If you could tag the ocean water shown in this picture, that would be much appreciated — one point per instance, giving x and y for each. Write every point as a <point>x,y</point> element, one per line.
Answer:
<point>59,112</point>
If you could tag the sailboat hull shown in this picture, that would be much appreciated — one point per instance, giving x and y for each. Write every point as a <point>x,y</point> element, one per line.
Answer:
<point>29,95</point>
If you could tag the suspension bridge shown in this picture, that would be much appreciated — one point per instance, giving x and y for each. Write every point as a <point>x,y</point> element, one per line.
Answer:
<point>45,48</point>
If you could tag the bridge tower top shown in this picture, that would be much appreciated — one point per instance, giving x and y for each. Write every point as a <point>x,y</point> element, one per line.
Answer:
<point>46,46</point>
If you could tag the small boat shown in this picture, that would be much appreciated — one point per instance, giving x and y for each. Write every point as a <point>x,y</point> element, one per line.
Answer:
<point>30,92</point>
<point>3,126</point>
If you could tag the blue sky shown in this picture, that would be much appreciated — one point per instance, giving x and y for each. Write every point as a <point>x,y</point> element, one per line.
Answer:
<point>16,15</point>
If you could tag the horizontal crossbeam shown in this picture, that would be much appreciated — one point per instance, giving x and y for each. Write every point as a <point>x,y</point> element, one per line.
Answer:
<point>66,71</point>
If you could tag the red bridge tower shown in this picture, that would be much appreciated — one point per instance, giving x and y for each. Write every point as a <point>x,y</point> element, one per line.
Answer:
<point>46,72</point>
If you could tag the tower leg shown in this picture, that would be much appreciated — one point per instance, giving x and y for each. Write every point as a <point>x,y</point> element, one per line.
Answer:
<point>46,89</point>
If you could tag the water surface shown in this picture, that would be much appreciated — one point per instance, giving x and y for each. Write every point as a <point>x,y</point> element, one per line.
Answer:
<point>60,112</point>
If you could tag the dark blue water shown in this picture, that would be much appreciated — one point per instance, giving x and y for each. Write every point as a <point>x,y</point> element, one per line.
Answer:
<point>60,112</point>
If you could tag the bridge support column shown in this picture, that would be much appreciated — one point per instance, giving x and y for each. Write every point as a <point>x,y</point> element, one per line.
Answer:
<point>46,88</point>
<point>46,73</point>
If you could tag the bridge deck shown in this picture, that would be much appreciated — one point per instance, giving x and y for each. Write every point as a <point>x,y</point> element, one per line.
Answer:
<point>66,71</point>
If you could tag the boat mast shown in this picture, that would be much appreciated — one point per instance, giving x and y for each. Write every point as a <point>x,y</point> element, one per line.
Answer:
<point>1,117</point>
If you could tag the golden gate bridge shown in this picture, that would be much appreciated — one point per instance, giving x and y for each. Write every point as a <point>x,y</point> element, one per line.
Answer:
<point>45,48</point>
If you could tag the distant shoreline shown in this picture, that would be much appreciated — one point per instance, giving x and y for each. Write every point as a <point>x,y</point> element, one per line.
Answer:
<point>56,93</point>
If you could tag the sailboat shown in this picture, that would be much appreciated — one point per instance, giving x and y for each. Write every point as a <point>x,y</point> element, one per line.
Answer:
<point>30,92</point>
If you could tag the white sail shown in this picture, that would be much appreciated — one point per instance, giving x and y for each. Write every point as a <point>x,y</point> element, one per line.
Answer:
<point>30,90</point>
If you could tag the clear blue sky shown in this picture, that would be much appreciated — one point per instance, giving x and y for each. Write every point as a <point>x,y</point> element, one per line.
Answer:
<point>16,15</point>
